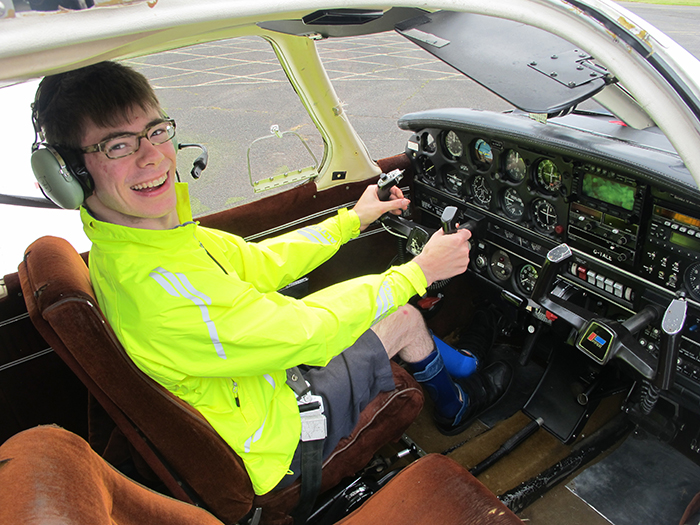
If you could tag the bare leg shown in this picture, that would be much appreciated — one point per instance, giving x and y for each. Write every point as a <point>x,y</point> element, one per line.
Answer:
<point>404,333</point>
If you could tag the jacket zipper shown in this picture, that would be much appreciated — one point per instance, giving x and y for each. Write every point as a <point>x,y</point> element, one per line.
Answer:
<point>212,257</point>
<point>235,394</point>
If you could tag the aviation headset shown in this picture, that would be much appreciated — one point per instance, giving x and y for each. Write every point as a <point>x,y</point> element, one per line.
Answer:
<point>60,171</point>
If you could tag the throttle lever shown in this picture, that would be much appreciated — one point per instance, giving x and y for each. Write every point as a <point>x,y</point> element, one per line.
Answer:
<point>671,328</point>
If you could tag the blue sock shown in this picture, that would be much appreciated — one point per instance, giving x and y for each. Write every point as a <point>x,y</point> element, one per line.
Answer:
<point>457,364</point>
<point>431,372</point>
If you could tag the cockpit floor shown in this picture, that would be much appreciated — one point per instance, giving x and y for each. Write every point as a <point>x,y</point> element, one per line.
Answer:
<point>643,481</point>
<point>537,453</point>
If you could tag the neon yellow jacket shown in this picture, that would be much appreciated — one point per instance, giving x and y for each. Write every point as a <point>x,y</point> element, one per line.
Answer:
<point>197,310</point>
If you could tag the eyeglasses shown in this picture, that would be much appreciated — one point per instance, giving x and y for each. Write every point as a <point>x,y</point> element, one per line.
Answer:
<point>129,143</point>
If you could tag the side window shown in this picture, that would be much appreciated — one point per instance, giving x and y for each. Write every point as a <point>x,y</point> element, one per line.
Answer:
<point>225,95</point>
<point>381,77</point>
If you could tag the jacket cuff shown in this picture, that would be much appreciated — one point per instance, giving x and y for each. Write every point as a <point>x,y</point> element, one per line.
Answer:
<point>349,224</point>
<point>414,274</point>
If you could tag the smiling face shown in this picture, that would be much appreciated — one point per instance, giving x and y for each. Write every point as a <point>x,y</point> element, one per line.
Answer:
<point>137,190</point>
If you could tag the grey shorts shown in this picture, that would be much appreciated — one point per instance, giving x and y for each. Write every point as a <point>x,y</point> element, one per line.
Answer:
<point>347,384</point>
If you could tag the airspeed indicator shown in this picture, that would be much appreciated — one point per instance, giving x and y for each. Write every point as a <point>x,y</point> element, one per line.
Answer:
<point>453,145</point>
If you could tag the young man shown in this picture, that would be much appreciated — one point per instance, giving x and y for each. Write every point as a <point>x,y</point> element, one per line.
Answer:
<point>198,309</point>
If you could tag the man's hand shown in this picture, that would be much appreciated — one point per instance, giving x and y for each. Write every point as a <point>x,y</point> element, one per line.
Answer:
<point>444,255</point>
<point>369,208</point>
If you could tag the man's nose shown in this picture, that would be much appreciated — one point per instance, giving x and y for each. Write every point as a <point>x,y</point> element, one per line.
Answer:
<point>147,149</point>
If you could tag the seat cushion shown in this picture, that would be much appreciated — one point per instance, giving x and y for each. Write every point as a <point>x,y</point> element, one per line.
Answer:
<point>433,489</point>
<point>49,475</point>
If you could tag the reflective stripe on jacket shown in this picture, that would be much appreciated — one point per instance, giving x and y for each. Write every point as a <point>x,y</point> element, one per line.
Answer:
<point>198,311</point>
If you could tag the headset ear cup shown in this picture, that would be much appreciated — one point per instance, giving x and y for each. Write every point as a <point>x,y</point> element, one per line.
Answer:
<point>66,183</point>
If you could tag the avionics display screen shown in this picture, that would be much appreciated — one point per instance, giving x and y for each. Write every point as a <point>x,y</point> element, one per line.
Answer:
<point>685,241</point>
<point>608,190</point>
<point>677,217</point>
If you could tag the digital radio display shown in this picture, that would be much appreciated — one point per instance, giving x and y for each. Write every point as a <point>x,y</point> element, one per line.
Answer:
<point>608,191</point>
<point>689,243</point>
<point>677,217</point>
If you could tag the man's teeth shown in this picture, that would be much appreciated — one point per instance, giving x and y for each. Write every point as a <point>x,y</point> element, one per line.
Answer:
<point>152,184</point>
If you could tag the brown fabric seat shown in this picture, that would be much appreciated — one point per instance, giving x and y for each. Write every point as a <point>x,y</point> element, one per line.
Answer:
<point>49,475</point>
<point>177,443</point>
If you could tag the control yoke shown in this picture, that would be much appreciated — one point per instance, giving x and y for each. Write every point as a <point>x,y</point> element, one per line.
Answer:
<point>604,339</point>
<point>417,236</point>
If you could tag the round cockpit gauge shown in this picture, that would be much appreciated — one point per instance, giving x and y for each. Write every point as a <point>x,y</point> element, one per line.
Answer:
<point>428,143</point>
<point>544,214</point>
<point>501,266</point>
<point>692,280</point>
<point>427,170</point>
<point>453,182</point>
<point>527,276</point>
<point>453,145</point>
<point>548,176</point>
<point>482,155</point>
<point>512,204</point>
<point>514,166</point>
<point>482,192</point>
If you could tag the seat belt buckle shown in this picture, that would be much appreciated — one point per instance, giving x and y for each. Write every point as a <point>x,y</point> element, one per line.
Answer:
<point>313,421</point>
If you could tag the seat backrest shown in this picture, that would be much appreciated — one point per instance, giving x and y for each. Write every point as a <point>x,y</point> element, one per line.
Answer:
<point>169,434</point>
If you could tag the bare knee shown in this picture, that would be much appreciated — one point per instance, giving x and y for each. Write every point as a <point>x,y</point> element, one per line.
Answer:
<point>404,333</point>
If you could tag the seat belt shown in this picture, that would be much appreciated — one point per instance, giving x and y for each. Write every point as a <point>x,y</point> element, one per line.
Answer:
<point>313,433</point>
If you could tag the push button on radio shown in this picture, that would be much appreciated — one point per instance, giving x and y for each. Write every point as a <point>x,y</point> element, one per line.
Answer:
<point>602,282</point>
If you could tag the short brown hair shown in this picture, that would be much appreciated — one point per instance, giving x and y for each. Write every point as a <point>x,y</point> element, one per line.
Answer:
<point>104,93</point>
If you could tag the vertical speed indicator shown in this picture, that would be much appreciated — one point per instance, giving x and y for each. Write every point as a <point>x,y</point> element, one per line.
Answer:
<point>512,204</point>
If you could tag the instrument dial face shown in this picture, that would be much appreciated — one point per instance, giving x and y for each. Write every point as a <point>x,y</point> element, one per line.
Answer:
<point>482,192</point>
<point>428,143</point>
<point>548,175</point>
<point>513,205</point>
<point>515,166</point>
<point>545,215</point>
<point>453,145</point>
<point>692,280</point>
<point>527,276</point>
<point>482,154</point>
<point>454,181</point>
<point>501,265</point>
<point>427,170</point>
